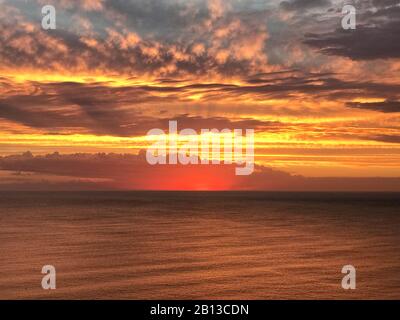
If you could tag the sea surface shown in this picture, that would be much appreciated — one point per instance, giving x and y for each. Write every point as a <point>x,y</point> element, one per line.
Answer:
<point>199,245</point>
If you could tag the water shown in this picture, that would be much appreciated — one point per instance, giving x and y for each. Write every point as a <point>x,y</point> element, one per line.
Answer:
<point>172,245</point>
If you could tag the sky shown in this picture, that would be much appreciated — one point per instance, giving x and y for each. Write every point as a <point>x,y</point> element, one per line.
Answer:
<point>76,102</point>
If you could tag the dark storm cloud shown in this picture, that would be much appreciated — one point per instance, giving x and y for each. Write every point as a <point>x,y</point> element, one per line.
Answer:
<point>385,106</point>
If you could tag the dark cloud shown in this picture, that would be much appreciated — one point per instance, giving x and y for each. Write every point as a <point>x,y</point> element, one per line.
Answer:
<point>364,43</point>
<point>376,35</point>
<point>385,3</point>
<point>104,110</point>
<point>131,172</point>
<point>99,108</point>
<point>124,171</point>
<point>385,106</point>
<point>323,85</point>
<point>304,4</point>
<point>385,138</point>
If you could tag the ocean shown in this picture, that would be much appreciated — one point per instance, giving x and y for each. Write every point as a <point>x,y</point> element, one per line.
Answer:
<point>199,245</point>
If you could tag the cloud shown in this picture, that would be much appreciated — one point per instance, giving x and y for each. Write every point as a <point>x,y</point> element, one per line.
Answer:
<point>292,5</point>
<point>131,110</point>
<point>154,38</point>
<point>123,171</point>
<point>216,63</point>
<point>364,43</point>
<point>100,109</point>
<point>131,172</point>
<point>387,106</point>
<point>375,37</point>
<point>103,108</point>
<point>385,138</point>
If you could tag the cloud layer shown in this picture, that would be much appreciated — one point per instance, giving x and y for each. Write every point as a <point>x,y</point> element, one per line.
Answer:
<point>323,101</point>
<point>129,172</point>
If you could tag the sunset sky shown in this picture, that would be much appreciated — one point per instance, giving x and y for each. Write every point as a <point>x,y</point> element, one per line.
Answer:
<point>76,102</point>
